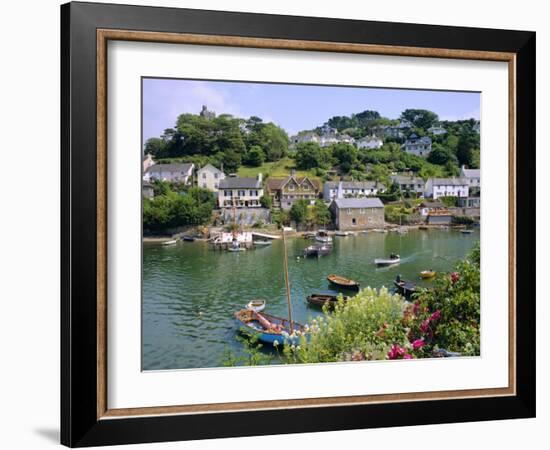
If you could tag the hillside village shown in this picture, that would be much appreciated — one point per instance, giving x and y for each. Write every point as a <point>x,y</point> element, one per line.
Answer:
<point>351,173</point>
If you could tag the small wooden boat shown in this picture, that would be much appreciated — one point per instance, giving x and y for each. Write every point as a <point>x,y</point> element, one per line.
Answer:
<point>187,238</point>
<point>322,236</point>
<point>343,233</point>
<point>426,274</point>
<point>404,287</point>
<point>317,250</point>
<point>321,299</point>
<point>262,243</point>
<point>309,235</point>
<point>256,305</point>
<point>266,327</point>
<point>170,242</point>
<point>343,282</point>
<point>466,231</point>
<point>393,259</point>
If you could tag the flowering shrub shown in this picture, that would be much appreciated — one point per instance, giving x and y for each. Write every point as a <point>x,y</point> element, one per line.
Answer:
<point>448,316</point>
<point>365,327</point>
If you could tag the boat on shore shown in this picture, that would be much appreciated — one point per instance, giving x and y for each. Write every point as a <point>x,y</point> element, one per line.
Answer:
<point>267,327</point>
<point>343,233</point>
<point>343,282</point>
<point>423,227</point>
<point>380,230</point>
<point>170,242</point>
<point>187,238</point>
<point>392,260</point>
<point>308,235</point>
<point>256,305</point>
<point>466,231</point>
<point>427,274</point>
<point>317,250</point>
<point>322,236</point>
<point>404,287</point>
<point>322,299</point>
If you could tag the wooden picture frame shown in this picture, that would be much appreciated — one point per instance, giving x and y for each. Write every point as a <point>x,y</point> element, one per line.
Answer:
<point>86,418</point>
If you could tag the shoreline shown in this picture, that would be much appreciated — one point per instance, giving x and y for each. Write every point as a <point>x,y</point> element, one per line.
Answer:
<point>290,234</point>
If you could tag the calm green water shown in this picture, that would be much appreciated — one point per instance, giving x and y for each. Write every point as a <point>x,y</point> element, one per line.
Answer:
<point>190,291</point>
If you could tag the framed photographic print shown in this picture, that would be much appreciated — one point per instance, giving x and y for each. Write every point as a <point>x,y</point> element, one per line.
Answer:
<point>277,224</point>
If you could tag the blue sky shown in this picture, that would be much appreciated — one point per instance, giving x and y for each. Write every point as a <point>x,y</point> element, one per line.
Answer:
<point>293,107</point>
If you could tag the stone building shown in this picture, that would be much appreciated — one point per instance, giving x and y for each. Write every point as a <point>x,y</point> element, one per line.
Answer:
<point>357,213</point>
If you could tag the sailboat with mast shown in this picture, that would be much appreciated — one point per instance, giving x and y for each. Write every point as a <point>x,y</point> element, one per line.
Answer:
<point>268,328</point>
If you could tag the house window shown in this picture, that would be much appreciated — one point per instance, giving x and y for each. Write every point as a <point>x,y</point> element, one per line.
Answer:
<point>306,187</point>
<point>227,193</point>
<point>353,221</point>
<point>349,211</point>
<point>242,193</point>
<point>216,175</point>
<point>204,175</point>
<point>204,185</point>
<point>291,187</point>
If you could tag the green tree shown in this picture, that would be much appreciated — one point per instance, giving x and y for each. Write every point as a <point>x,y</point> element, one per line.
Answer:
<point>299,211</point>
<point>346,155</point>
<point>310,155</point>
<point>156,147</point>
<point>255,157</point>
<point>441,155</point>
<point>420,118</point>
<point>468,144</point>
<point>266,201</point>
<point>321,213</point>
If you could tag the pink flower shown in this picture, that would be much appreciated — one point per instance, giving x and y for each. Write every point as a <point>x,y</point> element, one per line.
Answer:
<point>424,326</point>
<point>398,352</point>
<point>435,316</point>
<point>455,276</point>
<point>416,307</point>
<point>419,343</point>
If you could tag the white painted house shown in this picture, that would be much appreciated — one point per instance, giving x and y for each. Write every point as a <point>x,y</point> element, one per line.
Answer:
<point>240,192</point>
<point>147,162</point>
<point>369,142</point>
<point>209,177</point>
<point>437,131</point>
<point>446,187</point>
<point>419,146</point>
<point>351,189</point>
<point>304,137</point>
<point>409,183</point>
<point>473,176</point>
<point>175,173</point>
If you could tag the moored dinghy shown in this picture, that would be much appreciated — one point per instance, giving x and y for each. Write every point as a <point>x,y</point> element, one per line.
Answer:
<point>317,250</point>
<point>268,328</point>
<point>321,299</point>
<point>343,282</point>
<point>256,305</point>
<point>404,287</point>
<point>322,236</point>
<point>427,274</point>
<point>170,242</point>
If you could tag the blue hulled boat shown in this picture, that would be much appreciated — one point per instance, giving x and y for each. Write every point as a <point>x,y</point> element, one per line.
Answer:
<point>268,328</point>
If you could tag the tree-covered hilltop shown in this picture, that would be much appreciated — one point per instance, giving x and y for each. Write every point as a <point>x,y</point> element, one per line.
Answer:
<point>224,139</point>
<point>252,144</point>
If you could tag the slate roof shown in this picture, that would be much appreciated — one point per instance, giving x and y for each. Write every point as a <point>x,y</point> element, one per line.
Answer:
<point>274,184</point>
<point>358,203</point>
<point>405,179</point>
<point>449,182</point>
<point>240,183</point>
<point>157,168</point>
<point>471,173</point>
<point>354,184</point>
